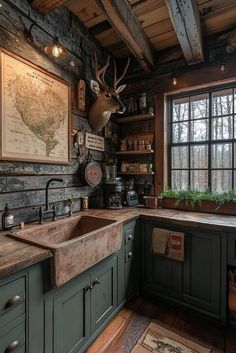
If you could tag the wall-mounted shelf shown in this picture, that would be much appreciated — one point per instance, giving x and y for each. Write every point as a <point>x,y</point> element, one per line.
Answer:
<point>133,153</point>
<point>132,118</point>
<point>136,173</point>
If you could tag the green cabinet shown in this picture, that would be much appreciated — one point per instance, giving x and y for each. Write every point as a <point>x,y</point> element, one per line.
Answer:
<point>194,283</point>
<point>71,316</point>
<point>20,325</point>
<point>103,293</point>
<point>202,271</point>
<point>80,307</point>
<point>129,262</point>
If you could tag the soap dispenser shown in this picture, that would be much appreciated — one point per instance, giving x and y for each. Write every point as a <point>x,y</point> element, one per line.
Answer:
<point>7,219</point>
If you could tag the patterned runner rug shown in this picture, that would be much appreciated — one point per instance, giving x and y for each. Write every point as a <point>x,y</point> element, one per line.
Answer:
<point>162,340</point>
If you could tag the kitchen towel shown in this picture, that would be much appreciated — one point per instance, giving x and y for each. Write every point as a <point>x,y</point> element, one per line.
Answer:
<point>168,243</point>
<point>159,240</point>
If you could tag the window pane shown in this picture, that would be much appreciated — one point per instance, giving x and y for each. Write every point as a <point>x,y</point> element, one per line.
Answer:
<point>199,156</point>
<point>199,106</point>
<point>180,109</point>
<point>199,180</point>
<point>199,130</point>
<point>221,155</point>
<point>221,180</point>
<point>180,132</point>
<point>222,128</point>
<point>222,102</point>
<point>180,157</point>
<point>179,179</point>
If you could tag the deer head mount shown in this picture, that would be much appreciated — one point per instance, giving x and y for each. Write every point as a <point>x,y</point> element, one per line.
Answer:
<point>107,100</point>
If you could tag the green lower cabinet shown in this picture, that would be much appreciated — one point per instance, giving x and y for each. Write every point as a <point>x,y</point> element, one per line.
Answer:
<point>71,316</point>
<point>202,271</point>
<point>160,275</point>
<point>129,262</point>
<point>103,292</point>
<point>80,307</point>
<point>195,283</point>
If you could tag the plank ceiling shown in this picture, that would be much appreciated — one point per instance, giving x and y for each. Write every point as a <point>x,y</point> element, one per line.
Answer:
<point>145,27</point>
<point>153,15</point>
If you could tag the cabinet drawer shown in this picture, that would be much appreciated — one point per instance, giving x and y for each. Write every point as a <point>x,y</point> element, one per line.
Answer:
<point>232,249</point>
<point>129,251</point>
<point>12,301</point>
<point>129,232</point>
<point>12,339</point>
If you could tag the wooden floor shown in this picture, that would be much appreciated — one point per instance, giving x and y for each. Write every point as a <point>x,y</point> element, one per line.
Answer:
<point>123,332</point>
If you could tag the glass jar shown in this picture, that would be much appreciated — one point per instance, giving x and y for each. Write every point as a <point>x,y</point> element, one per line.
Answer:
<point>141,145</point>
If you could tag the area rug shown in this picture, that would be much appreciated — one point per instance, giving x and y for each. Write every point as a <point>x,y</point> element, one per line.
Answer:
<point>162,340</point>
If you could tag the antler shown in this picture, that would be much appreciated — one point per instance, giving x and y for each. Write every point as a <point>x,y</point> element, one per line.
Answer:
<point>116,81</point>
<point>100,73</point>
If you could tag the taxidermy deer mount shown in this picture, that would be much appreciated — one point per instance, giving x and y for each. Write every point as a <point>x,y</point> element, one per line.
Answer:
<point>107,100</point>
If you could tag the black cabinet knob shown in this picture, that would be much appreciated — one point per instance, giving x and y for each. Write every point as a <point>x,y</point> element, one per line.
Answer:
<point>16,300</point>
<point>130,237</point>
<point>13,346</point>
<point>130,254</point>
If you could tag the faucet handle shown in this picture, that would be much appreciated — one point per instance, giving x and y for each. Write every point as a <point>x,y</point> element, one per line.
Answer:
<point>40,215</point>
<point>69,204</point>
<point>54,212</point>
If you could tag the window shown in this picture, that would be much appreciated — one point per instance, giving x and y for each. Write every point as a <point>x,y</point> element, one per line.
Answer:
<point>202,140</point>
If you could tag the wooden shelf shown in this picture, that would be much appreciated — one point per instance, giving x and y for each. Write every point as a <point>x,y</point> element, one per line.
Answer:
<point>136,173</point>
<point>132,118</point>
<point>133,153</point>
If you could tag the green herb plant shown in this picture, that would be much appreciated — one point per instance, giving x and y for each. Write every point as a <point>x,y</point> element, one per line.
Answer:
<point>195,197</point>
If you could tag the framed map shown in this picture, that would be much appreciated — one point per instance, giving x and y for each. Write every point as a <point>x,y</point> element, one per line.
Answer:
<point>35,112</point>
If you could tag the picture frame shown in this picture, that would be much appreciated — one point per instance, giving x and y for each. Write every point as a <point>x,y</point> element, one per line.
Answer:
<point>35,114</point>
<point>81,96</point>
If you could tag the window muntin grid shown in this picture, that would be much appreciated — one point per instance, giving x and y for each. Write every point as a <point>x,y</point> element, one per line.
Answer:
<point>202,140</point>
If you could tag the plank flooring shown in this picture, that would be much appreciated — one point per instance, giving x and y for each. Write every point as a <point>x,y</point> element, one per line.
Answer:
<point>121,335</point>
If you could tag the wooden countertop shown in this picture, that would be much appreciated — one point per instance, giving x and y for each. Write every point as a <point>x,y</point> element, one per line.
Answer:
<point>16,255</point>
<point>185,218</point>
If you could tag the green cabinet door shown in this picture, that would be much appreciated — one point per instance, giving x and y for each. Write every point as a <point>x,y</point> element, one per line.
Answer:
<point>202,271</point>
<point>103,292</point>
<point>132,259</point>
<point>71,316</point>
<point>161,275</point>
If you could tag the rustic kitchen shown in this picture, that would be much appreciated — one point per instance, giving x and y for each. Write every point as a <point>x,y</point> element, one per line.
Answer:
<point>118,176</point>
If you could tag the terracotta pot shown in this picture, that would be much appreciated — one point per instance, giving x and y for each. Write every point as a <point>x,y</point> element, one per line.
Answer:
<point>228,208</point>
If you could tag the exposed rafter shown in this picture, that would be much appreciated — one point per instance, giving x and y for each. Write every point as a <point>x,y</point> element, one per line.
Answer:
<point>45,6</point>
<point>124,21</point>
<point>185,18</point>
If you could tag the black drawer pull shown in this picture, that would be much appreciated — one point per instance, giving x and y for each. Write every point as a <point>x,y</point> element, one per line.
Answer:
<point>96,281</point>
<point>12,346</point>
<point>88,287</point>
<point>130,237</point>
<point>16,300</point>
<point>130,254</point>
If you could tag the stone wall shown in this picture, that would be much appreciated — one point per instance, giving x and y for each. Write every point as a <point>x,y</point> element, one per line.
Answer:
<point>22,184</point>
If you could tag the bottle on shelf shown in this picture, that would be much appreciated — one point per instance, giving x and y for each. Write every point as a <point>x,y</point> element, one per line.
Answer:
<point>143,103</point>
<point>7,219</point>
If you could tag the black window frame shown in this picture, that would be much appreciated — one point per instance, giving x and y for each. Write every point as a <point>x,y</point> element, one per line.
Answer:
<point>209,142</point>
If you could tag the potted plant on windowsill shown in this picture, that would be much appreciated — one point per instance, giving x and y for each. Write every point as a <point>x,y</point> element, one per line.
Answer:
<point>207,201</point>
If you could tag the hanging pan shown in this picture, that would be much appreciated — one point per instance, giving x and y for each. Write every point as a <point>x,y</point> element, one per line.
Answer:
<point>91,172</point>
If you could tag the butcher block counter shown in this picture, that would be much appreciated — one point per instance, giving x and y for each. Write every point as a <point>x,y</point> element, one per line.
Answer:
<point>16,255</point>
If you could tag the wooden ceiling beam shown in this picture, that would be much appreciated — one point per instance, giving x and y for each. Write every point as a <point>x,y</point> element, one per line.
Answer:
<point>45,6</point>
<point>124,21</point>
<point>185,18</point>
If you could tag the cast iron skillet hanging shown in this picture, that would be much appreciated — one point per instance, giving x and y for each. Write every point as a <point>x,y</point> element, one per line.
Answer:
<point>91,172</point>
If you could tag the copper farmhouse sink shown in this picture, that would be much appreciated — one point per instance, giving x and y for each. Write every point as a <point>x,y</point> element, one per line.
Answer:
<point>77,243</point>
